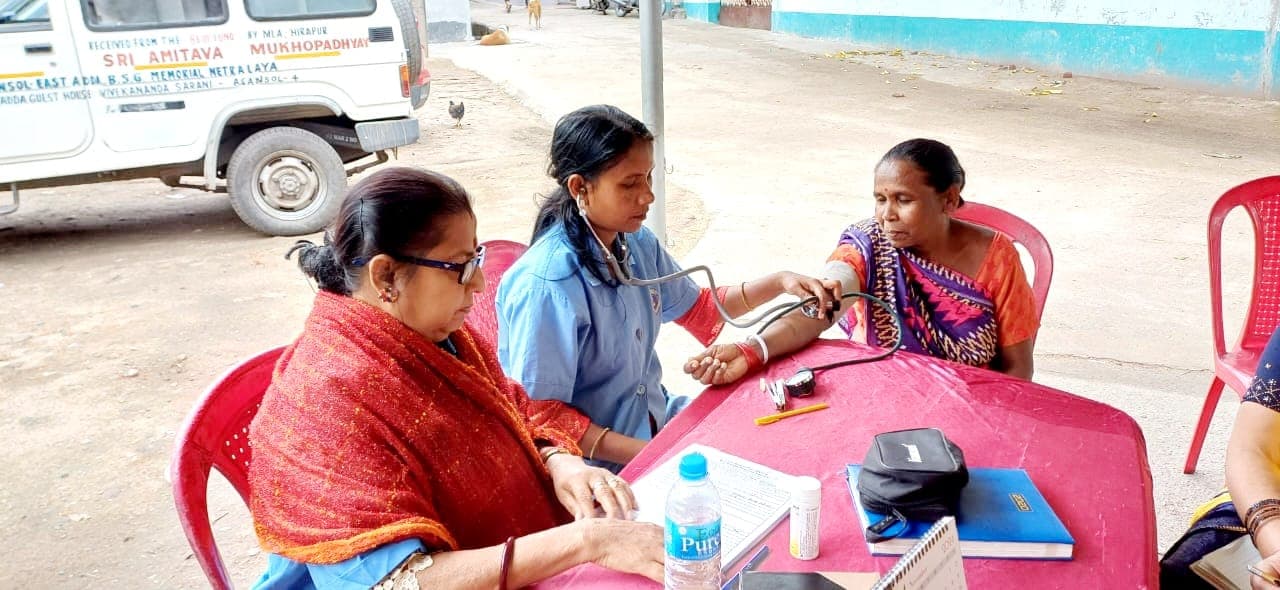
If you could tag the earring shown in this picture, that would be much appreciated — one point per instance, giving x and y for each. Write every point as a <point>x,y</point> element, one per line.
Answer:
<point>387,296</point>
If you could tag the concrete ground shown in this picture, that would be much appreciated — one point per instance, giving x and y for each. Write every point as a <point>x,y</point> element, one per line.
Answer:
<point>124,300</point>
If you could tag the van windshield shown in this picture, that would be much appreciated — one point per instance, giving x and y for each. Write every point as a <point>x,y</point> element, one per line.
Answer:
<point>24,11</point>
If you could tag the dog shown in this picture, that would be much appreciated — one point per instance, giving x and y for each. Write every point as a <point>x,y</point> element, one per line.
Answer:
<point>497,37</point>
<point>535,13</point>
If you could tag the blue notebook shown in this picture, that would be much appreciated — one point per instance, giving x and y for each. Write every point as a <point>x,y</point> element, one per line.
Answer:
<point>1001,515</point>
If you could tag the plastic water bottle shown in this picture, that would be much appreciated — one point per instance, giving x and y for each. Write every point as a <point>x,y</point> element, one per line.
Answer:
<point>693,529</point>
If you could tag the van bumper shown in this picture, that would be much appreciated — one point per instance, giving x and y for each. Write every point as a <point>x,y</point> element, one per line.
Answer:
<point>381,135</point>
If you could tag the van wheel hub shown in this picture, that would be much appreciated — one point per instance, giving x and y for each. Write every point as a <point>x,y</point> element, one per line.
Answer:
<point>288,182</point>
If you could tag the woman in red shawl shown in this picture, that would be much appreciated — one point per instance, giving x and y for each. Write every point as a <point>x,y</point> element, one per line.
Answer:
<point>391,451</point>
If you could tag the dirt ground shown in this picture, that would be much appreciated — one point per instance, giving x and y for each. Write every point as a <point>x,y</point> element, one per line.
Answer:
<point>123,302</point>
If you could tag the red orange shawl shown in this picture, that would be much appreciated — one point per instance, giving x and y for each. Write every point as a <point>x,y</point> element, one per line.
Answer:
<point>370,434</point>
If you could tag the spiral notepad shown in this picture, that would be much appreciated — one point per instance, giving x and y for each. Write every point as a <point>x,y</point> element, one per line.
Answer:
<point>932,564</point>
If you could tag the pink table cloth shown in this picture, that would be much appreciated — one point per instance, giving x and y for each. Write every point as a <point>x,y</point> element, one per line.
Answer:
<point>1087,458</point>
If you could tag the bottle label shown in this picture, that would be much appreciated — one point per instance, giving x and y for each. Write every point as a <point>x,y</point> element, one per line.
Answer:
<point>693,542</point>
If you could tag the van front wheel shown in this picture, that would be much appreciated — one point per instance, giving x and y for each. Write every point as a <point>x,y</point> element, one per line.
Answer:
<point>286,181</point>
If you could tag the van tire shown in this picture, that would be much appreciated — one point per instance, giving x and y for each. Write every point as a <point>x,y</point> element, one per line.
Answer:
<point>412,40</point>
<point>304,183</point>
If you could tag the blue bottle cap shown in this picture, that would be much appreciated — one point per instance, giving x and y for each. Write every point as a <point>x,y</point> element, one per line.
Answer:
<point>693,466</point>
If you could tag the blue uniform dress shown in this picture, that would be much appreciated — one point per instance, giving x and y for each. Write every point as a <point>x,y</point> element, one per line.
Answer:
<point>358,573</point>
<point>567,336</point>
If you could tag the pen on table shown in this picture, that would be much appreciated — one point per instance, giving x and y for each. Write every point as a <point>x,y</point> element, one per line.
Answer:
<point>770,419</point>
<point>1270,578</point>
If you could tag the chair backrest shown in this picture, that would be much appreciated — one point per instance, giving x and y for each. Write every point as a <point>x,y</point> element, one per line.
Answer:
<point>1261,200</point>
<point>1022,233</point>
<point>499,255</point>
<point>216,435</point>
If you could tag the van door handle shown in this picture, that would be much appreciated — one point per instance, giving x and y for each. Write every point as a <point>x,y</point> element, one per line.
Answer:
<point>38,48</point>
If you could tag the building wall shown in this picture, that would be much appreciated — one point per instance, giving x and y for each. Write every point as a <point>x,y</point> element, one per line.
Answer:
<point>746,14</point>
<point>448,20</point>
<point>707,12</point>
<point>1229,44</point>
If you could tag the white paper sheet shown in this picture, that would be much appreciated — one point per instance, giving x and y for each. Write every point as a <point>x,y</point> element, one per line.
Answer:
<point>753,498</point>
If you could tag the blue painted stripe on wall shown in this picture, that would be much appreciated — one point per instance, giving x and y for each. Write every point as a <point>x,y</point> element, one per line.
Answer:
<point>704,11</point>
<point>1221,57</point>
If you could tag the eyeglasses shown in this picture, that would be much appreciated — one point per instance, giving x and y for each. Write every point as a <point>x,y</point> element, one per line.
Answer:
<point>466,271</point>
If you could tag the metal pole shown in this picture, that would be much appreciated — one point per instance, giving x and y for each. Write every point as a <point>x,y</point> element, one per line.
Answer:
<point>651,90</point>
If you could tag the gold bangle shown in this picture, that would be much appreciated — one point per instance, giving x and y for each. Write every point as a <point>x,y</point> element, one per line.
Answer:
<point>742,292</point>
<point>592,454</point>
<point>549,452</point>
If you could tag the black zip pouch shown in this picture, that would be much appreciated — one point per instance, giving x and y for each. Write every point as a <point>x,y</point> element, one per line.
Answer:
<point>910,475</point>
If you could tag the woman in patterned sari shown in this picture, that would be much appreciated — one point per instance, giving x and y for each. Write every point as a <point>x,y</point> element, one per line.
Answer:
<point>959,288</point>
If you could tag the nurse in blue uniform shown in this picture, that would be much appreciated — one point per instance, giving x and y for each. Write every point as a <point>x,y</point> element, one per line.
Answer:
<point>570,329</point>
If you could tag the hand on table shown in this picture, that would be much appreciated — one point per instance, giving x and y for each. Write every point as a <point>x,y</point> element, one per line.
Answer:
<point>579,487</point>
<point>626,546</point>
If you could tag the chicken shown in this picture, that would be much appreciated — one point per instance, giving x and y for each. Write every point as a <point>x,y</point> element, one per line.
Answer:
<point>456,111</point>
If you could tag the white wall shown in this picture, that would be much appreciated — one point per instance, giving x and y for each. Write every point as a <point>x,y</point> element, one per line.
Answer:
<point>1254,15</point>
<point>448,11</point>
<point>448,20</point>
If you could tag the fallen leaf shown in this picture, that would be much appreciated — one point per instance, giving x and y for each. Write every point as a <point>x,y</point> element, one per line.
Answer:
<point>899,95</point>
<point>1150,117</point>
<point>1223,156</point>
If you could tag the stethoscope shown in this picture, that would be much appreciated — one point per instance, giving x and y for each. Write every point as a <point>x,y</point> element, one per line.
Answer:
<point>804,382</point>
<point>623,275</point>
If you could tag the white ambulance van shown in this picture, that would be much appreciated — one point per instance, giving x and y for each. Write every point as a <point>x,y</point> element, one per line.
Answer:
<point>275,102</point>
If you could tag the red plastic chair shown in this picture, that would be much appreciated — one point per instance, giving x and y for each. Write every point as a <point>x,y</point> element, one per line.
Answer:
<point>216,434</point>
<point>1235,367</point>
<point>1022,233</point>
<point>499,255</point>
